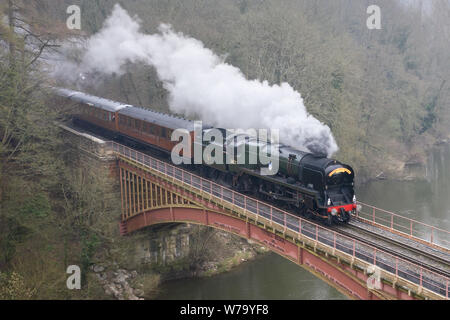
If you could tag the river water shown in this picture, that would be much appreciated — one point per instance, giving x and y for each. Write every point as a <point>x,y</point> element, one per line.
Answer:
<point>426,201</point>
<point>273,277</point>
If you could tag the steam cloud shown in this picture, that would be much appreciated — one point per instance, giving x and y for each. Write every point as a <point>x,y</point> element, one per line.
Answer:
<point>201,84</point>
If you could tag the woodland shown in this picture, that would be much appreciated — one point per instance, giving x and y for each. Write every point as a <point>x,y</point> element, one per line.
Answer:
<point>384,93</point>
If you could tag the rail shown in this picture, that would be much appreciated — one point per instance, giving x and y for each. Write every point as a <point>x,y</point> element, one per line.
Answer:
<point>397,267</point>
<point>410,228</point>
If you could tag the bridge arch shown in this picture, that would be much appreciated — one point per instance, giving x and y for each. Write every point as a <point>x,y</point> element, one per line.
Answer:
<point>149,200</point>
<point>352,287</point>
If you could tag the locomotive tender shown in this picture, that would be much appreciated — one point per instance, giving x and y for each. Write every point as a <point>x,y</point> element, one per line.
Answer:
<point>308,184</point>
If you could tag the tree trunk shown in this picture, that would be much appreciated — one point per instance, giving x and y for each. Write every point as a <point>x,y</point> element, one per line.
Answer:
<point>12,46</point>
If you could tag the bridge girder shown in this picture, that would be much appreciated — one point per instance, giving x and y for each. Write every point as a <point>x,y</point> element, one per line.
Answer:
<point>148,199</point>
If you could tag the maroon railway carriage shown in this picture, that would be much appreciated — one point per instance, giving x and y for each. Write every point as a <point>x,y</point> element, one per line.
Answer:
<point>152,127</point>
<point>136,123</point>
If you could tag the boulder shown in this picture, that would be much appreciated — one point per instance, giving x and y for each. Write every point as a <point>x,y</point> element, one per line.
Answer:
<point>98,268</point>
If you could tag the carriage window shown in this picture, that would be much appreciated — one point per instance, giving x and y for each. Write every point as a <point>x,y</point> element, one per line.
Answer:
<point>163,132</point>
<point>137,124</point>
<point>129,122</point>
<point>144,127</point>
<point>88,109</point>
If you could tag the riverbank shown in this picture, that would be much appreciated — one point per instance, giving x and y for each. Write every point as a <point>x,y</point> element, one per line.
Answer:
<point>409,164</point>
<point>152,257</point>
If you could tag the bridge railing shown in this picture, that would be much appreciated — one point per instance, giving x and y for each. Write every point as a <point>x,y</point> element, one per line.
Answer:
<point>397,267</point>
<point>404,226</point>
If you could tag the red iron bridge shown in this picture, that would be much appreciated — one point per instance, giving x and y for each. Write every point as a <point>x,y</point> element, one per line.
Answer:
<point>379,255</point>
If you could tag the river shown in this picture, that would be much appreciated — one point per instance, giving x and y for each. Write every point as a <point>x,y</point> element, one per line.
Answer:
<point>273,277</point>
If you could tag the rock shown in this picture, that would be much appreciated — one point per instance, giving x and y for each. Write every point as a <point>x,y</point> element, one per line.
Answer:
<point>97,268</point>
<point>121,278</point>
<point>102,276</point>
<point>129,292</point>
<point>138,292</point>
<point>111,289</point>
<point>381,176</point>
<point>115,283</point>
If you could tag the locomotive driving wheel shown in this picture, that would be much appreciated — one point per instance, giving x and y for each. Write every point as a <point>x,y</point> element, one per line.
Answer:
<point>308,214</point>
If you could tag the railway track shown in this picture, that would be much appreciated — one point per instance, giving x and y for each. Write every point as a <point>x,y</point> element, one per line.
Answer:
<point>427,260</point>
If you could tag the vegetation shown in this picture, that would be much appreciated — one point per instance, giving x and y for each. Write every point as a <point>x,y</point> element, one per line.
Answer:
<point>383,93</point>
<point>52,212</point>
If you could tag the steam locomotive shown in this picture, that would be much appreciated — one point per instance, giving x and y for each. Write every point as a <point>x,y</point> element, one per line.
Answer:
<point>308,184</point>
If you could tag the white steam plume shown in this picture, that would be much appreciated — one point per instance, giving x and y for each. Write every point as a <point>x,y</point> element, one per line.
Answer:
<point>202,84</point>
